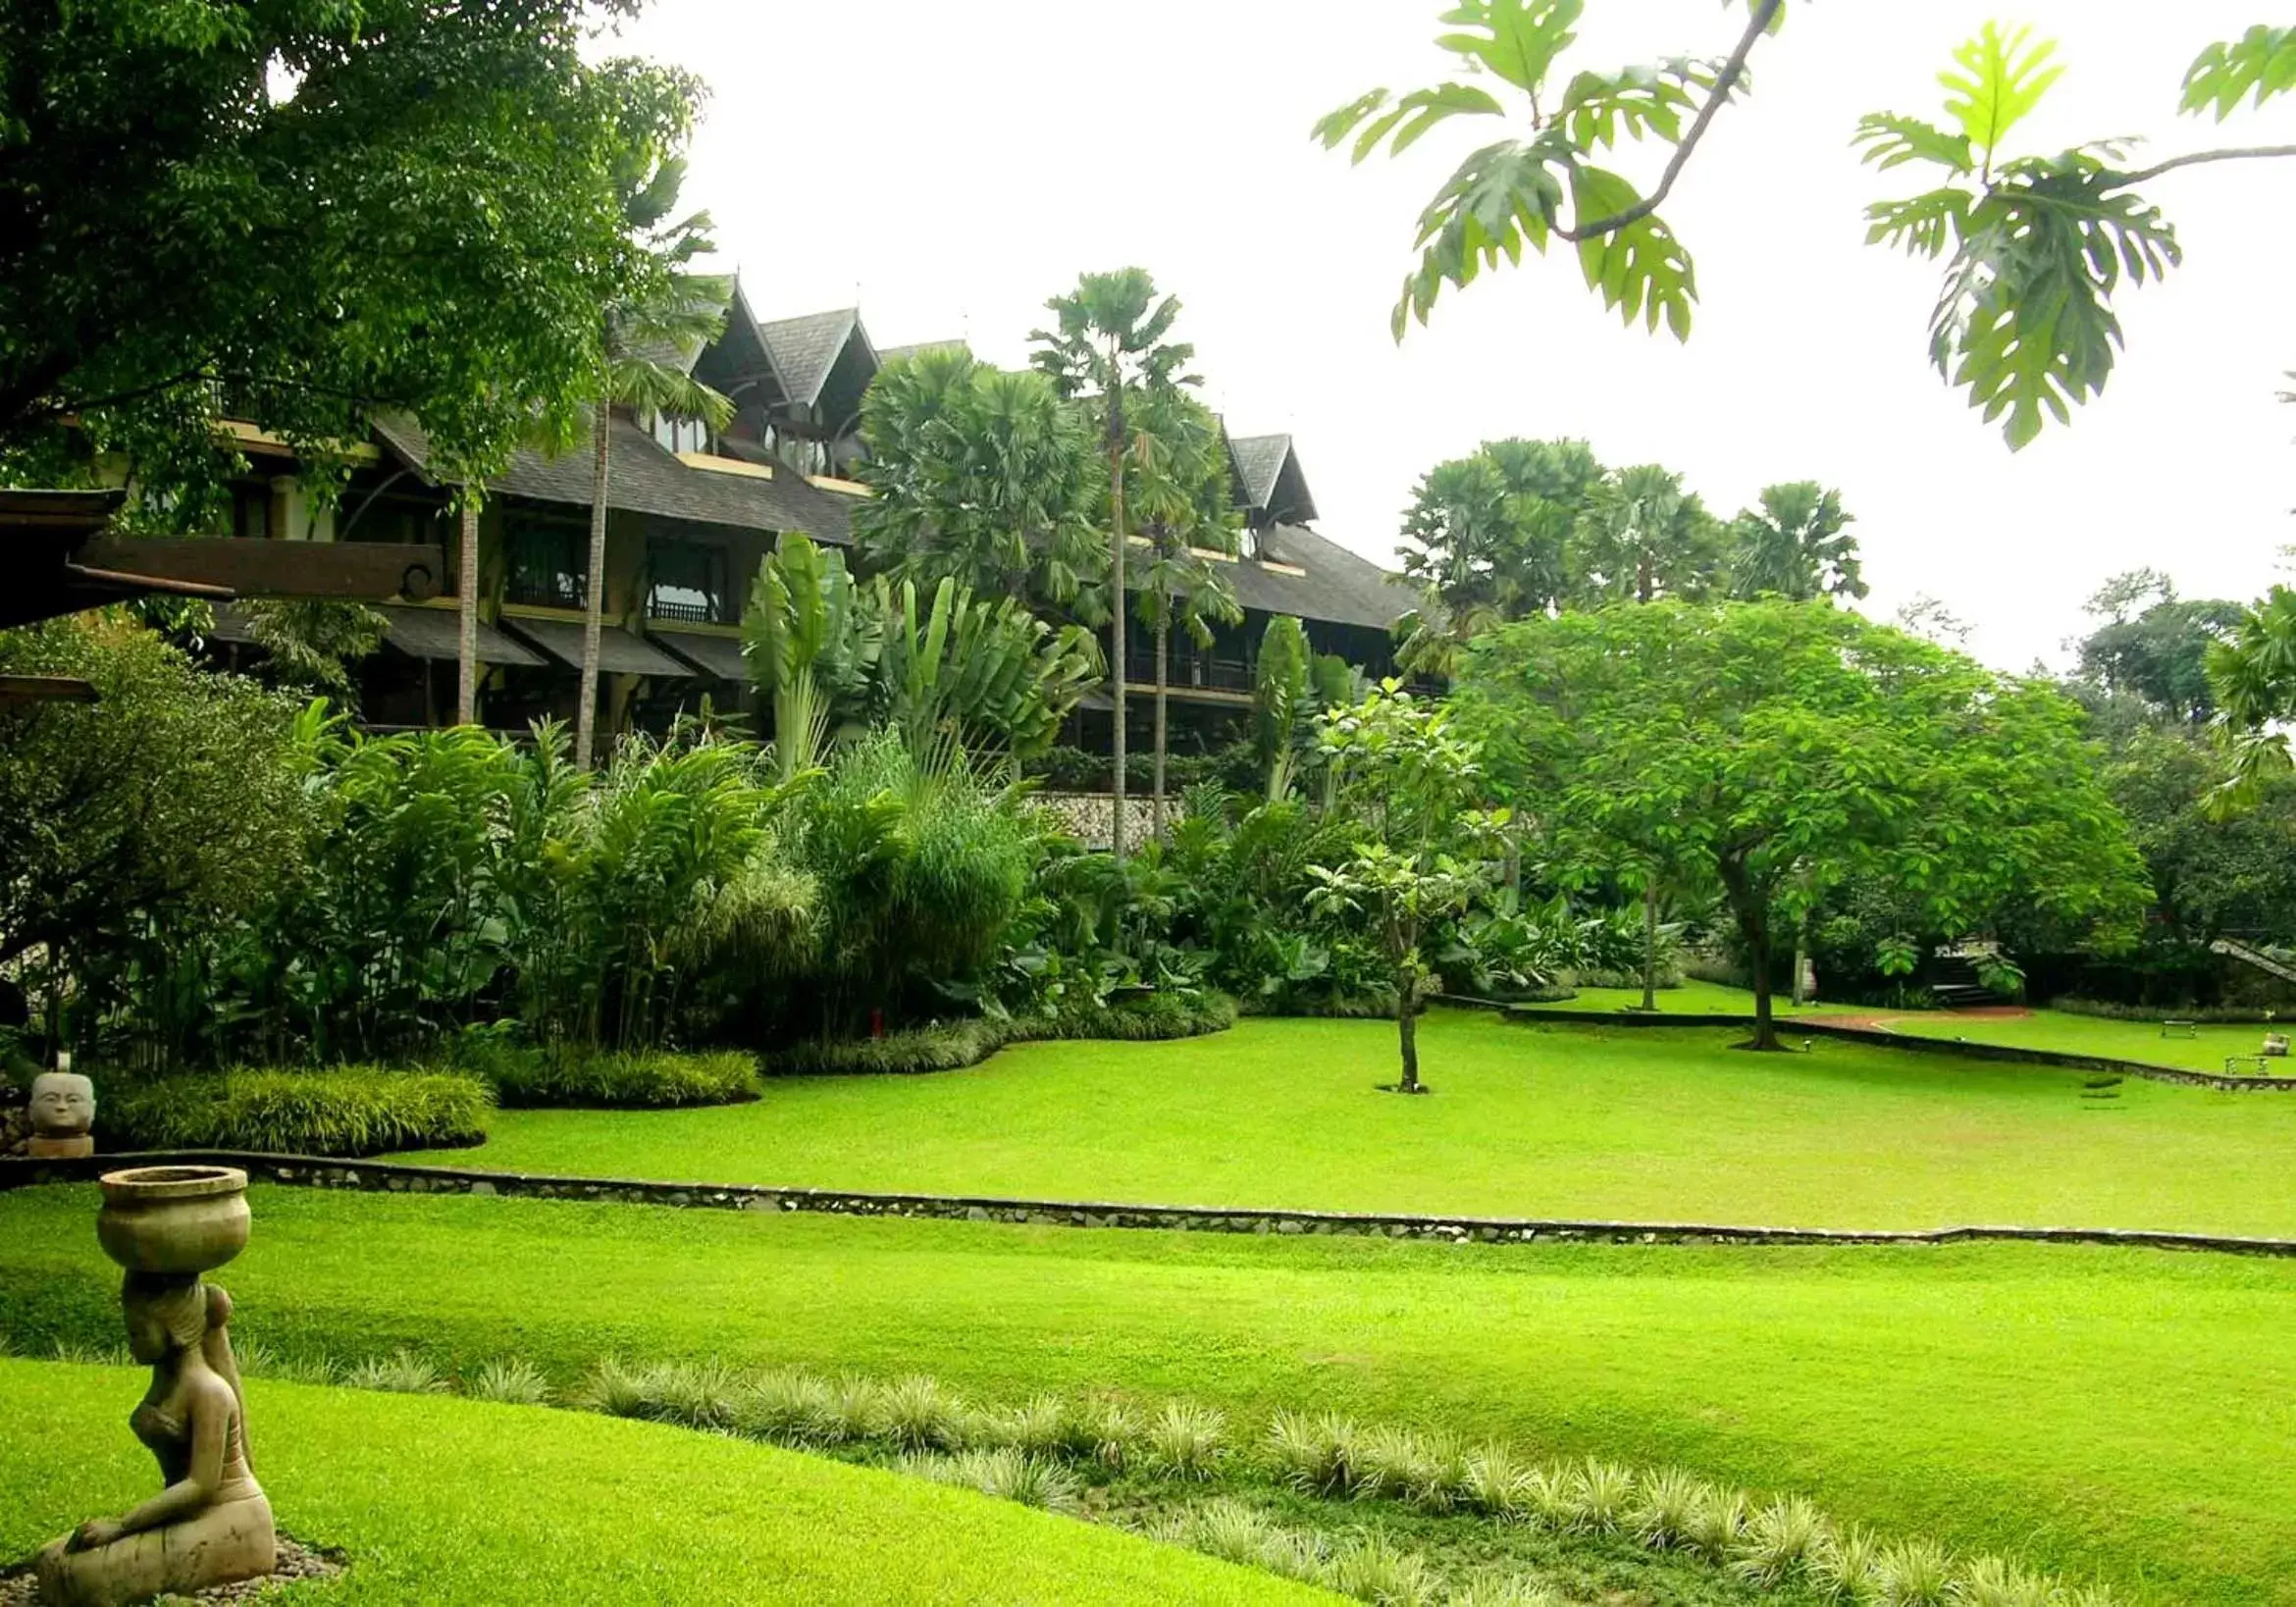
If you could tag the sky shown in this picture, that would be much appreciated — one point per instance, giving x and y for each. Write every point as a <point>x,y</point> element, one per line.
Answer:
<point>948,166</point>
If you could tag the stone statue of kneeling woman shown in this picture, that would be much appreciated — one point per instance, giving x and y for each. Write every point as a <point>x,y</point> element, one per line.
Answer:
<point>211,1525</point>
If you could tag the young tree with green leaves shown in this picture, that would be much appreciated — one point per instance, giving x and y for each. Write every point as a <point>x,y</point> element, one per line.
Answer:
<point>1409,786</point>
<point>311,209</point>
<point>1773,749</point>
<point>1797,546</point>
<point>2035,245</point>
<point>1109,345</point>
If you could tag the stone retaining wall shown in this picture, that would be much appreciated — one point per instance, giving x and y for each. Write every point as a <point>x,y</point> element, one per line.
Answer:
<point>1819,1027</point>
<point>395,1177</point>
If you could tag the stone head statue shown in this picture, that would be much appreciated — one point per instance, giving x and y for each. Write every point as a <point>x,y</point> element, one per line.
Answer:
<point>63,1109</point>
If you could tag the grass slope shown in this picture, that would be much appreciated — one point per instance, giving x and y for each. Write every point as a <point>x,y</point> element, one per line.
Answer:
<point>455,1501</point>
<point>2070,1035</point>
<point>1593,1121</point>
<point>2099,1410</point>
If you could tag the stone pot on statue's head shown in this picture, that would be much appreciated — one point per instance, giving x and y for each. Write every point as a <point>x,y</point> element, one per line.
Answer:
<point>176,1220</point>
<point>63,1109</point>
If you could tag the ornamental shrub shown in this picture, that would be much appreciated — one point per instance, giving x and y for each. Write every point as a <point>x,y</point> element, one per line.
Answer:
<point>347,1111</point>
<point>525,1077</point>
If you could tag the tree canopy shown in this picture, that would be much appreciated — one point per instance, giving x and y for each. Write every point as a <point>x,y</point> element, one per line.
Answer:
<point>308,210</point>
<point>1772,749</point>
<point>2035,245</point>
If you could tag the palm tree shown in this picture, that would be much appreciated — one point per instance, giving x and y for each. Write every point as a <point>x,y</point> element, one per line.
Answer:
<point>1110,344</point>
<point>1181,462</point>
<point>1643,536</point>
<point>981,473</point>
<point>1798,546</point>
<point>645,347</point>
<point>466,610</point>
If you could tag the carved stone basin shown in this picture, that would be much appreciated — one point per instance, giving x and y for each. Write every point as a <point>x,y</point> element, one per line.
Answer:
<point>179,1221</point>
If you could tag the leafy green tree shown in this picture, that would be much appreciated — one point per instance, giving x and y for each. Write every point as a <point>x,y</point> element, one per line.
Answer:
<point>1108,343</point>
<point>1796,546</point>
<point>130,826</point>
<point>981,473</point>
<point>2154,645</point>
<point>1489,538</point>
<point>1642,537</point>
<point>1407,785</point>
<point>2035,246</point>
<point>2253,676</point>
<point>310,210</point>
<point>1775,750</point>
<point>644,352</point>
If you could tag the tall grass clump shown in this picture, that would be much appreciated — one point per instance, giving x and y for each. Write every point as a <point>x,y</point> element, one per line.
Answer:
<point>1184,1440</point>
<point>916,1414</point>
<point>1374,1569</point>
<point>1494,1482</point>
<point>1314,1453</point>
<point>1004,1472</point>
<point>402,1372</point>
<point>349,1110</point>
<point>1779,1539</point>
<point>1666,1508</point>
<point>1846,1565</point>
<point>1915,1574</point>
<point>629,1080</point>
<point>510,1380</point>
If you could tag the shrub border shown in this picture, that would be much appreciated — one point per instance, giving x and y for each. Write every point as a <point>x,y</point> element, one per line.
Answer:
<point>1819,1027</point>
<point>398,1177</point>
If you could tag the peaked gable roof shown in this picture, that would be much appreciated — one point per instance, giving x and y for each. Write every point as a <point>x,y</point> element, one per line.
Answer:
<point>806,350</point>
<point>1268,469</point>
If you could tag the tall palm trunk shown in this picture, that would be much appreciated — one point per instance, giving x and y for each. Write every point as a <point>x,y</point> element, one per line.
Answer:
<point>1116,672</point>
<point>1651,945</point>
<point>593,591</point>
<point>466,606</point>
<point>1163,653</point>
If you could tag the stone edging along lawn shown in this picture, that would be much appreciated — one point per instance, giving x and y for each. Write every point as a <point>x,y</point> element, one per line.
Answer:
<point>396,1178</point>
<point>1819,1027</point>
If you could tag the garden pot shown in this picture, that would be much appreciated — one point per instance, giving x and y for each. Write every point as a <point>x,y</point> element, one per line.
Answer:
<point>180,1220</point>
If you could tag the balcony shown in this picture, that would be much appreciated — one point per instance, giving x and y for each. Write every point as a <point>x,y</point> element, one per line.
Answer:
<point>684,613</point>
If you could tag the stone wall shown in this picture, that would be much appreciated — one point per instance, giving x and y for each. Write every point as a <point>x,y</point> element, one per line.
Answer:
<point>390,1177</point>
<point>1090,817</point>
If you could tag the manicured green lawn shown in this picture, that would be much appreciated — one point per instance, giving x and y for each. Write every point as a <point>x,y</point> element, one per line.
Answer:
<point>1595,1121</point>
<point>2101,1411</point>
<point>2073,1034</point>
<point>440,1500</point>
<point>1693,998</point>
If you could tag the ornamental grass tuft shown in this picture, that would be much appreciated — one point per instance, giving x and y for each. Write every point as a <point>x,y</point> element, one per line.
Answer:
<point>1184,1440</point>
<point>509,1380</point>
<point>564,1078</point>
<point>1778,1540</point>
<point>916,1414</point>
<point>1374,1569</point>
<point>1915,1574</point>
<point>1666,1508</point>
<point>1314,1453</point>
<point>1846,1565</point>
<point>402,1372</point>
<point>1004,1472</point>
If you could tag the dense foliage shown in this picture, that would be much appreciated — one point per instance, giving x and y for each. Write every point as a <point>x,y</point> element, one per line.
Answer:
<point>1773,751</point>
<point>314,209</point>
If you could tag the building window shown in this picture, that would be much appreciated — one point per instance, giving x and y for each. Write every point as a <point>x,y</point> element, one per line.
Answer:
<point>687,582</point>
<point>550,560</point>
<point>250,510</point>
<point>681,435</point>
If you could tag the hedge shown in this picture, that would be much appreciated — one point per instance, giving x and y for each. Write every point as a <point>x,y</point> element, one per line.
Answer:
<point>951,1046</point>
<point>346,1111</point>
<point>645,1080</point>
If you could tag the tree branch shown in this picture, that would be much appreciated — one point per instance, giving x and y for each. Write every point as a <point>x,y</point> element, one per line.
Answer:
<point>1764,13</point>
<point>2236,153</point>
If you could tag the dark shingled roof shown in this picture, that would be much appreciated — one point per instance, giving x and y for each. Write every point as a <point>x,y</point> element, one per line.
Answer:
<point>643,478</point>
<point>1339,587</point>
<point>618,652</point>
<point>887,354</point>
<point>804,350</point>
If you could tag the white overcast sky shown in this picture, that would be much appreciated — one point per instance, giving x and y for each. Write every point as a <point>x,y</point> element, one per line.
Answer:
<point>948,166</point>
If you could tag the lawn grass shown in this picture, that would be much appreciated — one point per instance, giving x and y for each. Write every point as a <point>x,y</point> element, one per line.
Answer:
<point>2115,1412</point>
<point>440,1500</point>
<point>1597,1121</point>
<point>2071,1034</point>
<point>1693,998</point>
